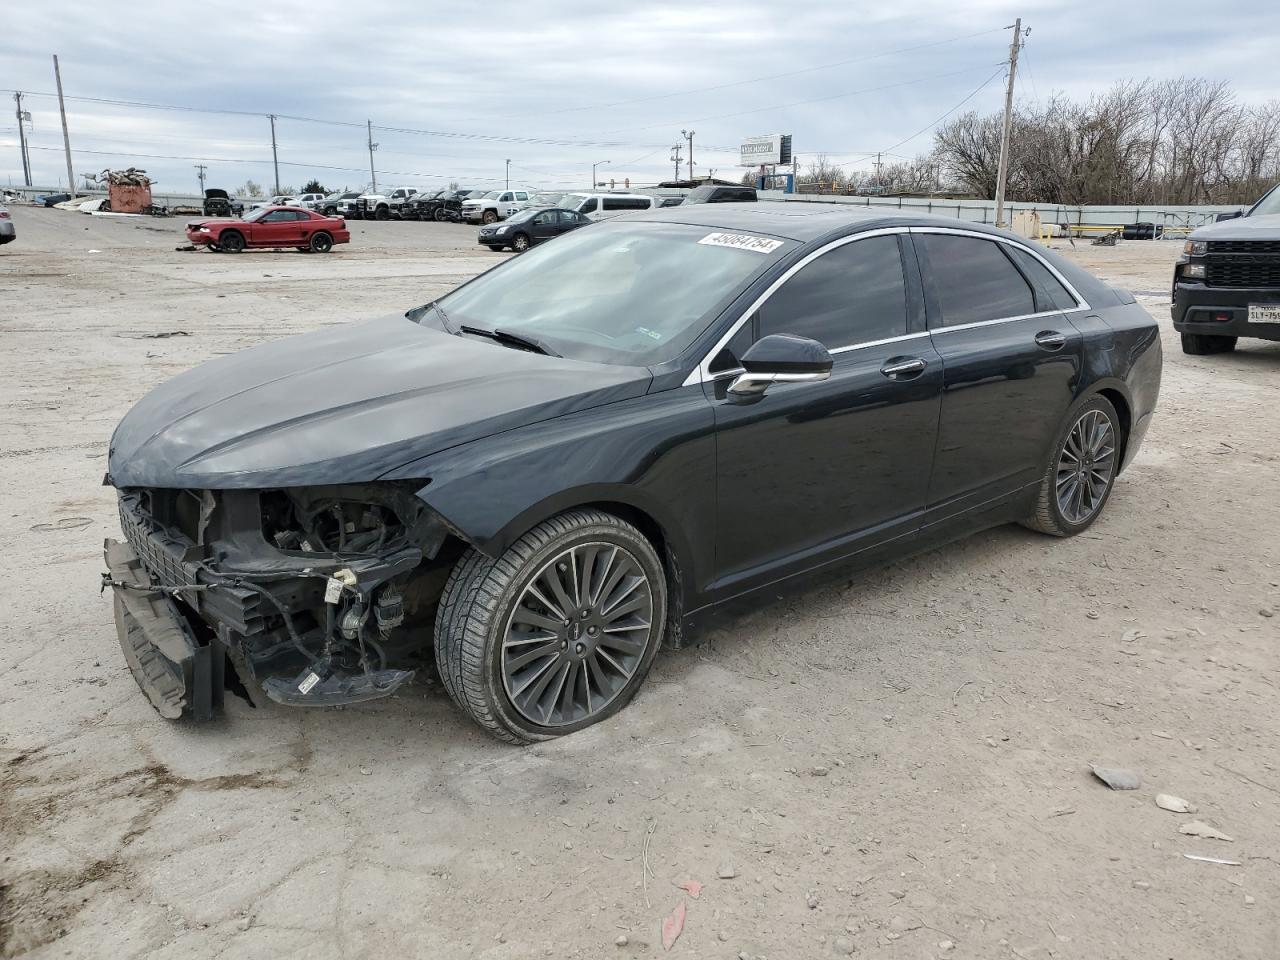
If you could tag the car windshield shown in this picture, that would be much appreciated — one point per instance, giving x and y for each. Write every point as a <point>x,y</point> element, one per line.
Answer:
<point>257,213</point>
<point>546,199</point>
<point>522,215</point>
<point>1269,204</point>
<point>627,292</point>
<point>492,195</point>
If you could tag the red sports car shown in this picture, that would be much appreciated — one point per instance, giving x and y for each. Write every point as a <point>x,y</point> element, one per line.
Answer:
<point>271,227</point>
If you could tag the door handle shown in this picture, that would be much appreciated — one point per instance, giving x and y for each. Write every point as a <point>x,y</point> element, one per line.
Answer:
<point>1051,339</point>
<point>903,368</point>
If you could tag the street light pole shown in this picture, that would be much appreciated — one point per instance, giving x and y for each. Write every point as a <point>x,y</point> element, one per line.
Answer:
<point>598,163</point>
<point>688,135</point>
<point>508,186</point>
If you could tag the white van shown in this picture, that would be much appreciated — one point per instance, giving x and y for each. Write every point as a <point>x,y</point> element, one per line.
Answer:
<point>602,206</point>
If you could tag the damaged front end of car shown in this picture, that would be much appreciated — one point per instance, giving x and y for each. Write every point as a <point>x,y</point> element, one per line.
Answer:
<point>316,596</point>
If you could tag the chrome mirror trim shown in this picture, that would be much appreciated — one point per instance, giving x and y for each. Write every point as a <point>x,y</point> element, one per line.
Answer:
<point>753,384</point>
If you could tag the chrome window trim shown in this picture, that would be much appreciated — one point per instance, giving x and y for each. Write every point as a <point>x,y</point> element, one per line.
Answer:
<point>702,372</point>
<point>737,371</point>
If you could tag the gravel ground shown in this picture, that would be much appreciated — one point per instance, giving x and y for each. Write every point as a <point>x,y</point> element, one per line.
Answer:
<point>895,765</point>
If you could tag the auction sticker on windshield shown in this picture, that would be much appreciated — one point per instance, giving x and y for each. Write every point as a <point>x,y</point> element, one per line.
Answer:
<point>741,241</point>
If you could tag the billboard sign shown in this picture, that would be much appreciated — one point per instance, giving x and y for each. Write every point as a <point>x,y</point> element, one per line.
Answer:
<point>769,149</point>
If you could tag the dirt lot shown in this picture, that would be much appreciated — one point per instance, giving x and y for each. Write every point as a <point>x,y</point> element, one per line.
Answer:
<point>894,765</point>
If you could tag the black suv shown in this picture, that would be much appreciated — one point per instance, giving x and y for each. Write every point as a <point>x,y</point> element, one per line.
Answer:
<point>219,203</point>
<point>712,193</point>
<point>1226,284</point>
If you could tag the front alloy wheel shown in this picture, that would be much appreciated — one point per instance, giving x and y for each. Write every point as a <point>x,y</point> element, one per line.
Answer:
<point>558,633</point>
<point>1082,471</point>
<point>520,243</point>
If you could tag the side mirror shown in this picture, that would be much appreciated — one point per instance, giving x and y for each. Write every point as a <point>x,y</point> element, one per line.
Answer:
<point>780,358</point>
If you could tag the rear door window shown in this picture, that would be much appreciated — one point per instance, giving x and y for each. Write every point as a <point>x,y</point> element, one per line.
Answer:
<point>973,281</point>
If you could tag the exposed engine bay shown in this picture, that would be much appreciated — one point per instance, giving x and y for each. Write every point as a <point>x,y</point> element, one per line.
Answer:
<point>316,596</point>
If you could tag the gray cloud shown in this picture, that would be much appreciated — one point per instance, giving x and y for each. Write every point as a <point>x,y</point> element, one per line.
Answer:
<point>570,71</point>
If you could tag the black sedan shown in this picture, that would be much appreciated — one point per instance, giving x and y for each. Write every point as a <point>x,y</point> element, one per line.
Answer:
<point>525,229</point>
<point>576,457</point>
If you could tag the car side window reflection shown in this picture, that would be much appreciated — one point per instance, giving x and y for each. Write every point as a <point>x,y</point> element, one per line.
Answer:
<point>974,281</point>
<point>853,294</point>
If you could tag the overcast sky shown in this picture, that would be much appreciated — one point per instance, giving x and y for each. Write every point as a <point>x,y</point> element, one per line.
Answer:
<point>611,82</point>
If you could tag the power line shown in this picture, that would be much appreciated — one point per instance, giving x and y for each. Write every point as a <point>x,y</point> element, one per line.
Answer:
<point>926,129</point>
<point>772,76</point>
<point>799,103</point>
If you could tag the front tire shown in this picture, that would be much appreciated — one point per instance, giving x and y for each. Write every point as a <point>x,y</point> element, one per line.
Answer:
<point>440,216</point>
<point>489,217</point>
<point>382,213</point>
<point>558,633</point>
<point>520,242</point>
<point>321,242</point>
<point>495,247</point>
<point>231,241</point>
<point>1081,471</point>
<point>1205,344</point>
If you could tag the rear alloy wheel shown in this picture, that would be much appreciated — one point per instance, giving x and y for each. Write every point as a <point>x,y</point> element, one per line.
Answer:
<point>520,242</point>
<point>321,242</point>
<point>231,241</point>
<point>1205,344</point>
<point>489,217</point>
<point>1081,472</point>
<point>558,633</point>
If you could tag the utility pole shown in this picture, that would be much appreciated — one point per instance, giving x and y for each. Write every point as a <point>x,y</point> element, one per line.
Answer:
<point>373,176</point>
<point>688,135</point>
<point>675,158</point>
<point>275,159</point>
<point>1002,170</point>
<point>598,163</point>
<point>508,186</point>
<point>22,140</point>
<point>200,169</point>
<point>877,173</point>
<point>66,137</point>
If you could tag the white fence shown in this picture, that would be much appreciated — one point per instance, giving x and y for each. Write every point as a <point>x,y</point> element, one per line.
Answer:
<point>1175,219</point>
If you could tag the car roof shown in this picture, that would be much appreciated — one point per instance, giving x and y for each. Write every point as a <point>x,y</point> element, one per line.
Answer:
<point>797,220</point>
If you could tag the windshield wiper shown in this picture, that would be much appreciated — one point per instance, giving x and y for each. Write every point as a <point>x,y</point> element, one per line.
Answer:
<point>511,339</point>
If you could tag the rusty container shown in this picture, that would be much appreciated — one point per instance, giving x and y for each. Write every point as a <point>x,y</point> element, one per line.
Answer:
<point>127,198</point>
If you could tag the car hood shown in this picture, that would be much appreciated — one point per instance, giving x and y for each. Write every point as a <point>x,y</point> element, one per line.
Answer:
<point>1241,228</point>
<point>346,406</point>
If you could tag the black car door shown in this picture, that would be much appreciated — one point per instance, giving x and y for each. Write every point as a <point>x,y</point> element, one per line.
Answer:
<point>1011,362</point>
<point>815,470</point>
<point>543,225</point>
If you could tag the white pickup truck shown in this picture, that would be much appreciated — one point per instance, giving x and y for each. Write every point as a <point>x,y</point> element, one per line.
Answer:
<point>494,206</point>
<point>383,206</point>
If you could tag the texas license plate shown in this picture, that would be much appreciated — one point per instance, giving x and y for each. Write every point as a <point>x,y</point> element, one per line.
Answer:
<point>1264,313</point>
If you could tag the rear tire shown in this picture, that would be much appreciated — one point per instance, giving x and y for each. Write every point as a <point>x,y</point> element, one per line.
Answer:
<point>1205,344</point>
<point>321,242</point>
<point>231,241</point>
<point>1081,472</point>
<point>479,644</point>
